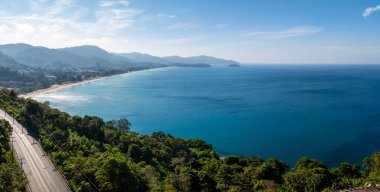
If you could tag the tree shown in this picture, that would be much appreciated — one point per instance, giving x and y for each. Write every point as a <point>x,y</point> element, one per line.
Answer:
<point>11,178</point>
<point>159,135</point>
<point>122,124</point>
<point>372,167</point>
<point>273,169</point>
<point>5,130</point>
<point>345,176</point>
<point>147,155</point>
<point>92,127</point>
<point>116,175</point>
<point>13,94</point>
<point>347,170</point>
<point>134,152</point>
<point>309,175</point>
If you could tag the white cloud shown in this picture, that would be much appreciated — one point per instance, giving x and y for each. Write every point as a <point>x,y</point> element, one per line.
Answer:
<point>111,3</point>
<point>220,26</point>
<point>182,26</point>
<point>51,7</point>
<point>117,18</point>
<point>292,32</point>
<point>66,23</point>
<point>367,12</point>
<point>63,23</point>
<point>114,26</point>
<point>164,15</point>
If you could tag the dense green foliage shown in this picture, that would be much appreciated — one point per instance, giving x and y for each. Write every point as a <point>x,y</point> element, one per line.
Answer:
<point>95,155</point>
<point>11,176</point>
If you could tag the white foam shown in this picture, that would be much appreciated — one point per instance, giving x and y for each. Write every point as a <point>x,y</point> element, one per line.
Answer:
<point>107,98</point>
<point>64,98</point>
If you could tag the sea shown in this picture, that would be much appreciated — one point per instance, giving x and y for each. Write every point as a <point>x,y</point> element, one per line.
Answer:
<point>327,112</point>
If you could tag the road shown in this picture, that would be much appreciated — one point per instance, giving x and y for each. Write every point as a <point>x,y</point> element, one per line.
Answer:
<point>37,167</point>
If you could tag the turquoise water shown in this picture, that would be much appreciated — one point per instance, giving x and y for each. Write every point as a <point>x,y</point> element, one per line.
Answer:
<point>327,112</point>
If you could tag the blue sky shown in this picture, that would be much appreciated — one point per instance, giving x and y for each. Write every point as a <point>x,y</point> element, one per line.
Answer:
<point>249,31</point>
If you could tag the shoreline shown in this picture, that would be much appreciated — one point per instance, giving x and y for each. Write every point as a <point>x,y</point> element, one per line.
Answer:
<point>57,87</point>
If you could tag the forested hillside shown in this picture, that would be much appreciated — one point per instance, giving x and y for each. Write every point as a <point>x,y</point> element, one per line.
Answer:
<point>96,155</point>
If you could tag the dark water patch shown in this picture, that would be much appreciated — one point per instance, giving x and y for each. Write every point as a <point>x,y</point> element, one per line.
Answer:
<point>366,143</point>
<point>132,115</point>
<point>345,107</point>
<point>375,117</point>
<point>310,78</point>
<point>330,92</point>
<point>271,103</point>
<point>203,98</point>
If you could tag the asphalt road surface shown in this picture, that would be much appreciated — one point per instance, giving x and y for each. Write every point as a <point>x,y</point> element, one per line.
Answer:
<point>38,168</point>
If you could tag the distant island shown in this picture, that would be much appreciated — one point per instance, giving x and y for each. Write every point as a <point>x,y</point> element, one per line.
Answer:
<point>233,65</point>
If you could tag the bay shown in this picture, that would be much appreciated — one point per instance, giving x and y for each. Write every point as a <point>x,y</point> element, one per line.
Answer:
<point>329,112</point>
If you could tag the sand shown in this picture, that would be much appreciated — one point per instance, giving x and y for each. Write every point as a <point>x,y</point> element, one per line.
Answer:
<point>62,86</point>
<point>58,87</point>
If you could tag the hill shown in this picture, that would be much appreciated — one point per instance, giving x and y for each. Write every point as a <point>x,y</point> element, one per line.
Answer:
<point>200,59</point>
<point>81,57</point>
<point>6,61</point>
<point>42,57</point>
<point>139,57</point>
<point>101,55</point>
<point>13,49</point>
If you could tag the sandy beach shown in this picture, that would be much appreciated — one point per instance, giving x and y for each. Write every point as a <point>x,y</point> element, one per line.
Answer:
<point>57,87</point>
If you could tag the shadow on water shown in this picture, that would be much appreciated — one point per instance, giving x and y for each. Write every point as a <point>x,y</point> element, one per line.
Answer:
<point>330,92</point>
<point>366,143</point>
<point>345,107</point>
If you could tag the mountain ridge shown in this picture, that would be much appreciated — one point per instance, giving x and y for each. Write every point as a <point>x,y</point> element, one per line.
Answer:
<point>201,59</point>
<point>143,57</point>
<point>91,56</point>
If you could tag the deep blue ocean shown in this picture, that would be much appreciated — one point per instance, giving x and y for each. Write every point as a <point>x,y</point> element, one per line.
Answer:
<point>329,112</point>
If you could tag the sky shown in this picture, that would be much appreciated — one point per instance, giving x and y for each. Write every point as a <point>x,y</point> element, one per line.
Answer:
<point>248,31</point>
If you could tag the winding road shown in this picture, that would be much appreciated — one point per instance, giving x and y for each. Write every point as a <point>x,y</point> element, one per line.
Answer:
<point>37,167</point>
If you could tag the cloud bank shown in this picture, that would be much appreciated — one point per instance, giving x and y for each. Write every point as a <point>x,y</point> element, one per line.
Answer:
<point>62,23</point>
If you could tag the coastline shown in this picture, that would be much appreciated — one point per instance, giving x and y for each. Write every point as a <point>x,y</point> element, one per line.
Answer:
<point>57,87</point>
